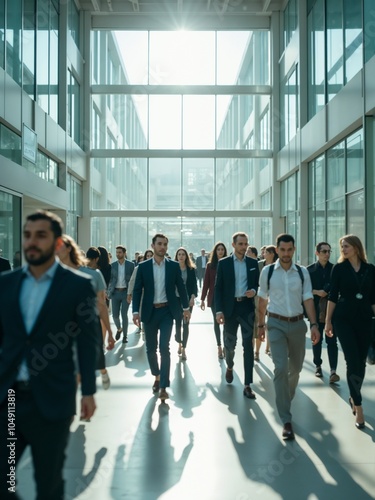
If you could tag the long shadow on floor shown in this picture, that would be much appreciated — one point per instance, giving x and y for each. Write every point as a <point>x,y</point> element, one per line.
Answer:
<point>151,468</point>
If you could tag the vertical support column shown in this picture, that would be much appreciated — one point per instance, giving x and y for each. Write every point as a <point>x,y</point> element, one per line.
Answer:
<point>369,157</point>
<point>278,222</point>
<point>84,223</point>
<point>302,120</point>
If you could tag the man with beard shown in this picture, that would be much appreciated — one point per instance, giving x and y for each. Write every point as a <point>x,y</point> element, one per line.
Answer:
<point>283,287</point>
<point>159,278</point>
<point>42,316</point>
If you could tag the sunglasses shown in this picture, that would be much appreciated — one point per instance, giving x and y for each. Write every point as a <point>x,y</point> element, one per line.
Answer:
<point>325,251</point>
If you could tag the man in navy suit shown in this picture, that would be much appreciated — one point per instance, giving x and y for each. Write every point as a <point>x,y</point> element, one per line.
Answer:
<point>45,310</point>
<point>158,278</point>
<point>236,284</point>
<point>121,272</point>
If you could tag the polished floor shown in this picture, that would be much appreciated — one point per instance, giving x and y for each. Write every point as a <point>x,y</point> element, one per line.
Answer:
<point>211,443</point>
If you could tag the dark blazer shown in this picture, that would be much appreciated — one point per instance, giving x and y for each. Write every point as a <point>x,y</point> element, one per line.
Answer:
<point>145,281</point>
<point>225,284</point>
<point>67,316</point>
<point>129,268</point>
<point>209,284</point>
<point>200,268</point>
<point>191,282</point>
<point>320,280</point>
<point>345,285</point>
<point>4,265</point>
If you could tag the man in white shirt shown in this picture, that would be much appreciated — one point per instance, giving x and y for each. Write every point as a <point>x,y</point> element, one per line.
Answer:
<point>201,264</point>
<point>282,294</point>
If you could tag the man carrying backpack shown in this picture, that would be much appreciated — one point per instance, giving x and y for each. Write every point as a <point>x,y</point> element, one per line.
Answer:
<point>284,290</point>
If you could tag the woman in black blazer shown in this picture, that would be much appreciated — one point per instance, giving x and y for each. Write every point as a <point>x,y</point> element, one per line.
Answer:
<point>351,305</point>
<point>190,280</point>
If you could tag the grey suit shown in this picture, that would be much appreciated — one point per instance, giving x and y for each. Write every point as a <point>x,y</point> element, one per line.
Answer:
<point>119,296</point>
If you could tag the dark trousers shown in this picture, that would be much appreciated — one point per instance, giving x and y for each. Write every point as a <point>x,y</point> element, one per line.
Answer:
<point>355,340</point>
<point>119,301</point>
<point>245,319</point>
<point>161,320</point>
<point>216,326</point>
<point>185,330</point>
<point>332,349</point>
<point>48,440</point>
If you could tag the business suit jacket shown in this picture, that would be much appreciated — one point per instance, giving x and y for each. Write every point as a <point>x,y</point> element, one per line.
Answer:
<point>191,283</point>
<point>345,285</point>
<point>209,284</point>
<point>129,268</point>
<point>145,281</point>
<point>200,268</point>
<point>225,284</point>
<point>67,316</point>
<point>320,281</point>
<point>4,265</point>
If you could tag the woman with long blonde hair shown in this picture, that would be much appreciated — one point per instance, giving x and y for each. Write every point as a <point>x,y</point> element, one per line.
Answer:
<point>351,306</point>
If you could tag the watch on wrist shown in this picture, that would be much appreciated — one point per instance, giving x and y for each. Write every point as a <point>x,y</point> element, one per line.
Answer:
<point>313,324</point>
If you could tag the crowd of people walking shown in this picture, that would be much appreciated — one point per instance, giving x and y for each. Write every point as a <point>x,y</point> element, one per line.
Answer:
<point>64,297</point>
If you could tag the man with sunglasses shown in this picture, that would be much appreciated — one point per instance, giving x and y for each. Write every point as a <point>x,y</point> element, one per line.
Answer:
<point>320,274</point>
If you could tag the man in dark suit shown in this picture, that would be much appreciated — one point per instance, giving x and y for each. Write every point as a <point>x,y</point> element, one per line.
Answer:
<point>201,264</point>
<point>45,309</point>
<point>158,278</point>
<point>236,284</point>
<point>121,272</point>
<point>320,274</point>
<point>4,265</point>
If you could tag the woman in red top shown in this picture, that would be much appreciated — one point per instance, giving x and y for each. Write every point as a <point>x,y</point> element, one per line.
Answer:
<point>219,251</point>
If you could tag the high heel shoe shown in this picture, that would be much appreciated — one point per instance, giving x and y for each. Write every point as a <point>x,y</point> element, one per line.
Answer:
<point>352,406</point>
<point>359,415</point>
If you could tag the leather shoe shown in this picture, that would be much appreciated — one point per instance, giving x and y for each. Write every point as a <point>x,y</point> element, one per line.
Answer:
<point>163,395</point>
<point>288,431</point>
<point>125,340</point>
<point>247,392</point>
<point>156,386</point>
<point>118,334</point>
<point>229,376</point>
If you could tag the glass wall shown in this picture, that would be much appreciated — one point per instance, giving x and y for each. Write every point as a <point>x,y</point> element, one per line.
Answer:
<point>28,47</point>
<point>13,40</point>
<point>336,194</point>
<point>74,191</point>
<point>74,128</point>
<point>74,22</point>
<point>10,224</point>
<point>368,35</point>
<point>10,144</point>
<point>316,58</point>
<point>335,46</point>
<point>289,107</point>
<point>180,119</point>
<point>48,56</point>
<point>191,232</point>
<point>2,33</point>
<point>290,19</point>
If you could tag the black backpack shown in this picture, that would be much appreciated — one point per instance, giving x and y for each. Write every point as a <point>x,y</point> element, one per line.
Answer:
<point>272,267</point>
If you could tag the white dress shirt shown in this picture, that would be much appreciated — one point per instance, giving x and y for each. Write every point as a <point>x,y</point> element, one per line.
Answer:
<point>285,294</point>
<point>160,294</point>
<point>121,283</point>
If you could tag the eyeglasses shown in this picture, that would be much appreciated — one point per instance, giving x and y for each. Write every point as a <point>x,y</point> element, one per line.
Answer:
<point>325,251</point>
